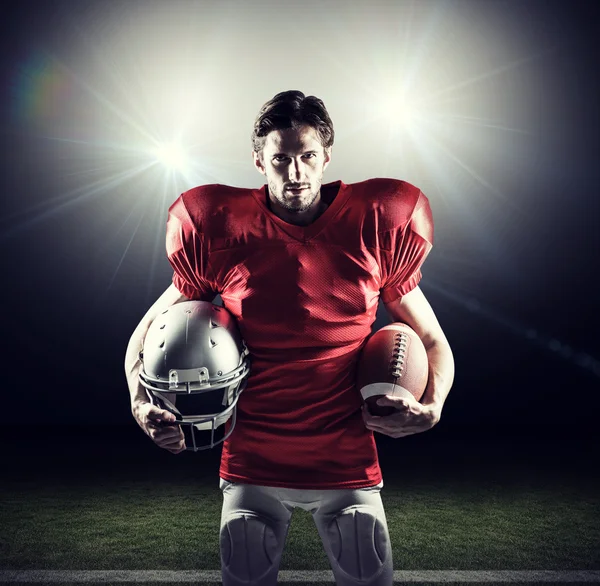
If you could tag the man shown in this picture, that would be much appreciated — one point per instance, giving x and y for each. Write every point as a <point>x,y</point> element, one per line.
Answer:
<point>302,266</point>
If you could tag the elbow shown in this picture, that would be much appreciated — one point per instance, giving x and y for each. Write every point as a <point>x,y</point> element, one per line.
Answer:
<point>436,341</point>
<point>135,346</point>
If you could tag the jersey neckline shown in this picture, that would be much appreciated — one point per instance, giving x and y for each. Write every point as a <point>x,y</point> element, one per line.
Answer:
<point>305,233</point>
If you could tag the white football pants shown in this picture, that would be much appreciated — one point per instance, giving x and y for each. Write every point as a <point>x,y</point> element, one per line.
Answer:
<point>351,523</point>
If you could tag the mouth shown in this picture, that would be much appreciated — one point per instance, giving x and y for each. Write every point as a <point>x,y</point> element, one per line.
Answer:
<point>297,190</point>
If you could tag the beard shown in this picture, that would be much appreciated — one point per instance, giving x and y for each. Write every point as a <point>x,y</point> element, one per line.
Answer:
<point>296,204</point>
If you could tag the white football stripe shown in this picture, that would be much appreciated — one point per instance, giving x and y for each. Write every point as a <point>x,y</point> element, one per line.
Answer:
<point>384,389</point>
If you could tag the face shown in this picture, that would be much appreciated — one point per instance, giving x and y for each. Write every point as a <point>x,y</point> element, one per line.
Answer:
<point>293,158</point>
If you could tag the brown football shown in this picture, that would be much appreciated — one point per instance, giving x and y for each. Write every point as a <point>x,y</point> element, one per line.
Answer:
<point>392,362</point>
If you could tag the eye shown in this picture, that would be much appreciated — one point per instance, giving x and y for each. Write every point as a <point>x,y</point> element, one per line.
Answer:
<point>310,155</point>
<point>280,158</point>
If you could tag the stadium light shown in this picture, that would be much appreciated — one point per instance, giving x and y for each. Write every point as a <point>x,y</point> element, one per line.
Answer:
<point>399,110</point>
<point>172,156</point>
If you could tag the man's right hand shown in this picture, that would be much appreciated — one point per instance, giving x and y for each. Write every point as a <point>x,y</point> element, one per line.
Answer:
<point>155,422</point>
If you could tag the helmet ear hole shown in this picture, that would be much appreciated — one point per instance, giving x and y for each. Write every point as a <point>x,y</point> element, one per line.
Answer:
<point>196,365</point>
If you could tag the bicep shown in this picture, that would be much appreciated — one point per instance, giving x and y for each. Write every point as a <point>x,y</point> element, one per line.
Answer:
<point>414,309</point>
<point>170,296</point>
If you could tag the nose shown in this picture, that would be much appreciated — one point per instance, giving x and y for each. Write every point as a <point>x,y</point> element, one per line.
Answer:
<point>296,171</point>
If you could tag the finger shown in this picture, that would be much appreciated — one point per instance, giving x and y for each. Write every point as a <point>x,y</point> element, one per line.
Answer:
<point>173,443</point>
<point>397,429</point>
<point>393,419</point>
<point>394,422</point>
<point>177,450</point>
<point>165,433</point>
<point>170,442</point>
<point>393,432</point>
<point>399,403</point>
<point>376,426</point>
<point>160,424</point>
<point>368,417</point>
<point>160,415</point>
<point>399,434</point>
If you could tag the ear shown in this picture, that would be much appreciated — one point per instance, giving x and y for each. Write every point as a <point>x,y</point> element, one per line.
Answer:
<point>258,163</point>
<point>327,158</point>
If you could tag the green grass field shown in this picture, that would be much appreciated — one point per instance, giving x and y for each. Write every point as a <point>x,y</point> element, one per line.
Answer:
<point>459,505</point>
<point>458,524</point>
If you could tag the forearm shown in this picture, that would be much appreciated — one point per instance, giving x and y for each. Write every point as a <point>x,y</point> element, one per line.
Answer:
<point>441,374</point>
<point>133,364</point>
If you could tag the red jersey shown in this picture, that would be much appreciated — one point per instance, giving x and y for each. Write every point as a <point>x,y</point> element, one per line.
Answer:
<point>305,298</point>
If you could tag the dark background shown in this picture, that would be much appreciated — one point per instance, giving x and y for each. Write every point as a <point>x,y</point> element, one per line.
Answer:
<point>523,325</point>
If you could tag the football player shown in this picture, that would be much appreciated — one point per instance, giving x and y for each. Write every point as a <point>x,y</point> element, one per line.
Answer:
<point>301,265</point>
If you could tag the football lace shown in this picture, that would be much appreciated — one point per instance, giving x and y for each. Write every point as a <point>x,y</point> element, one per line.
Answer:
<point>399,354</point>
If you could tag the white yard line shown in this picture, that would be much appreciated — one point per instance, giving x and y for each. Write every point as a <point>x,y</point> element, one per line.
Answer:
<point>417,576</point>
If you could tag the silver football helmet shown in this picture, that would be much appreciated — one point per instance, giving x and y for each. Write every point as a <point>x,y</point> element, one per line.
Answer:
<point>195,364</point>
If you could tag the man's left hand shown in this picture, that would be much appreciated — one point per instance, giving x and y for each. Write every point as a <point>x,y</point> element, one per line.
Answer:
<point>410,417</point>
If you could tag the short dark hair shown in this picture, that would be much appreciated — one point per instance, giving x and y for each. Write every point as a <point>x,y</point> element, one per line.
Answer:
<point>291,109</point>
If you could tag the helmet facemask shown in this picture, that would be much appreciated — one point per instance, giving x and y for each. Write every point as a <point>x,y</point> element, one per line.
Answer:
<point>196,365</point>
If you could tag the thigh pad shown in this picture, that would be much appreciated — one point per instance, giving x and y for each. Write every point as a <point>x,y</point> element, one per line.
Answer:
<point>249,546</point>
<point>359,542</point>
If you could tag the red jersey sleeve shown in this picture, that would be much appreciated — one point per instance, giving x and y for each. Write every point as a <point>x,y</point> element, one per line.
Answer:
<point>187,254</point>
<point>410,246</point>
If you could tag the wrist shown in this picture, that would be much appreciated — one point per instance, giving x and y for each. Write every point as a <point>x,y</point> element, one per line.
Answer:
<point>138,401</point>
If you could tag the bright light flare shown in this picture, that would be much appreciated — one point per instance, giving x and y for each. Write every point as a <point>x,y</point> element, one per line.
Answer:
<point>431,92</point>
<point>172,156</point>
<point>399,111</point>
